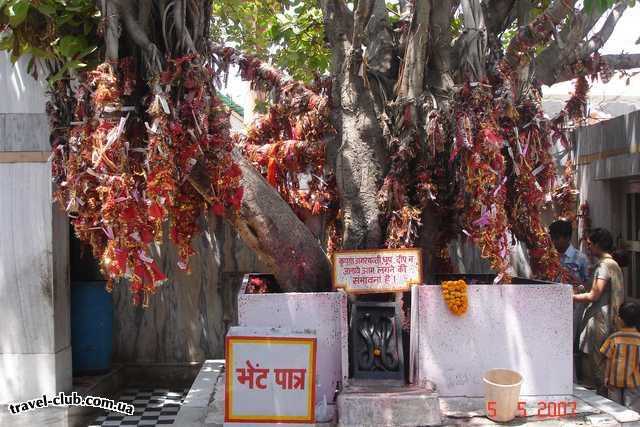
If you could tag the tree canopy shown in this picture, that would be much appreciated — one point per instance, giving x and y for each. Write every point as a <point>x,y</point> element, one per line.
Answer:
<point>289,34</point>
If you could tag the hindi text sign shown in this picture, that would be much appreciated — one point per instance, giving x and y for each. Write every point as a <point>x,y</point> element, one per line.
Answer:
<point>270,379</point>
<point>382,270</point>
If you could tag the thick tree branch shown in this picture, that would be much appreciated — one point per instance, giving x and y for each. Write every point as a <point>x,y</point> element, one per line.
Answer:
<point>472,44</point>
<point>270,228</point>
<point>361,17</point>
<point>144,14</point>
<point>439,76</point>
<point>539,31</point>
<point>407,137</point>
<point>576,29</point>
<point>380,62</point>
<point>598,40</point>
<point>361,158</point>
<point>265,222</point>
<point>139,37</point>
<point>338,22</point>
<point>197,11</point>
<point>615,62</point>
<point>379,56</point>
<point>184,42</point>
<point>112,34</point>
<point>411,83</point>
<point>522,10</point>
<point>554,64</point>
<point>497,14</point>
<point>622,61</point>
<point>573,32</point>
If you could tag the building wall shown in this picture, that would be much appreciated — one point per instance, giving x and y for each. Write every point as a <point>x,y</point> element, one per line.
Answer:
<point>608,163</point>
<point>607,158</point>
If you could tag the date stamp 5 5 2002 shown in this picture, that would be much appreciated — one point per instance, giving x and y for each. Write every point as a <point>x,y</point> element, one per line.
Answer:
<point>546,408</point>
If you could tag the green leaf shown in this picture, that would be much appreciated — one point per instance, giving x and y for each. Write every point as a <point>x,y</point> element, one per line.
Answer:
<point>599,5</point>
<point>69,66</point>
<point>69,46</point>
<point>57,76</point>
<point>87,52</point>
<point>45,8</point>
<point>37,52</point>
<point>6,42</point>
<point>17,12</point>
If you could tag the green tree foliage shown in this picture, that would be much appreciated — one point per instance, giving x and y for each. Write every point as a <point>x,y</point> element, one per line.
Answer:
<point>602,5</point>
<point>65,34</point>
<point>62,34</point>
<point>289,34</point>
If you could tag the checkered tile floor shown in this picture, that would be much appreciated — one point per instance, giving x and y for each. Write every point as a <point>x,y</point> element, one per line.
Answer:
<point>152,407</point>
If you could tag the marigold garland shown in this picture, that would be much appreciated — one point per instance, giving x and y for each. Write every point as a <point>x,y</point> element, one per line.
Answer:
<point>455,296</point>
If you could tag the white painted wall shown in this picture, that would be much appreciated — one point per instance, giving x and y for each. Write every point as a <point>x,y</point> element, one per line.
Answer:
<point>20,92</point>
<point>527,328</point>
<point>324,312</point>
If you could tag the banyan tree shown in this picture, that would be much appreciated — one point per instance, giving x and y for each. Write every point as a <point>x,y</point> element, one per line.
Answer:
<point>421,123</point>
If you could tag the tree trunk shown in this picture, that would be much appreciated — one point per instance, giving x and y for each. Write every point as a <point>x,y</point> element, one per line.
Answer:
<point>281,240</point>
<point>361,156</point>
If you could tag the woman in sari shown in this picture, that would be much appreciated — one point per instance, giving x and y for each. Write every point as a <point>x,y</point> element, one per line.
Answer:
<point>604,299</point>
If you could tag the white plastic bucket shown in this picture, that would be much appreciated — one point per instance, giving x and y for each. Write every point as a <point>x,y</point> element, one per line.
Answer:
<point>502,392</point>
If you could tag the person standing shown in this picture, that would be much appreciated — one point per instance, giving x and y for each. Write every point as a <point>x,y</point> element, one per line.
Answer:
<point>604,299</point>
<point>561,232</point>
<point>575,261</point>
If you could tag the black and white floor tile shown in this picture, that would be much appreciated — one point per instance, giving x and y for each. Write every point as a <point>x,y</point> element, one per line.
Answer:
<point>153,407</point>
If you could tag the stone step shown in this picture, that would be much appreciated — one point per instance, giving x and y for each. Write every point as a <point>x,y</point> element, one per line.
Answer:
<point>388,405</point>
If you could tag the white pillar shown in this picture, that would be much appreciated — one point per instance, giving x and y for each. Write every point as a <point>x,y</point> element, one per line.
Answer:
<point>35,344</point>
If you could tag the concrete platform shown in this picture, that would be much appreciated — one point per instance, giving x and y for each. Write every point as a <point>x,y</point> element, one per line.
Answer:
<point>204,405</point>
<point>591,409</point>
<point>380,404</point>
